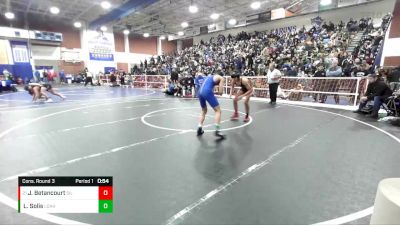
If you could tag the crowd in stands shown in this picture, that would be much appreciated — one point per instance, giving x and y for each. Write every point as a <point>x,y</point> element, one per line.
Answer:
<point>297,52</point>
<point>323,50</point>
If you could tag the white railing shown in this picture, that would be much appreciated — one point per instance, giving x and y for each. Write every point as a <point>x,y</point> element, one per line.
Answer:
<point>295,88</point>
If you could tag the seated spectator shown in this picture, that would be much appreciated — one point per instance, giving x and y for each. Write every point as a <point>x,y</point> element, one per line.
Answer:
<point>335,70</point>
<point>113,80</point>
<point>377,91</point>
<point>170,90</point>
<point>363,70</point>
<point>296,93</point>
<point>292,72</point>
<point>248,73</point>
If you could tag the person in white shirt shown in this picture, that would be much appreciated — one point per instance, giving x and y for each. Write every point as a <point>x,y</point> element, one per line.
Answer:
<point>273,76</point>
<point>89,78</point>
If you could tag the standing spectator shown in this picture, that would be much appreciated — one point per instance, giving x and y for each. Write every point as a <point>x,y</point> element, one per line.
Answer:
<point>239,64</point>
<point>45,76</point>
<point>62,76</point>
<point>273,76</point>
<point>174,76</point>
<point>317,83</point>
<point>333,85</point>
<point>394,76</point>
<point>250,61</point>
<point>36,76</point>
<point>122,78</point>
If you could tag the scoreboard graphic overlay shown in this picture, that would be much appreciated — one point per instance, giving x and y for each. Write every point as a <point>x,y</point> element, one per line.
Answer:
<point>65,194</point>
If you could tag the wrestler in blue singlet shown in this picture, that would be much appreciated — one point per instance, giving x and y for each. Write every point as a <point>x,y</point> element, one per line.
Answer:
<point>206,93</point>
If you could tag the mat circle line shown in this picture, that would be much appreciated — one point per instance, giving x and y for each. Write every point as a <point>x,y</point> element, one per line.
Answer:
<point>143,119</point>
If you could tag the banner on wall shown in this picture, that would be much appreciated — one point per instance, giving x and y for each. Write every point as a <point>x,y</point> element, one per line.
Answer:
<point>20,52</point>
<point>101,46</point>
<point>3,52</point>
<point>43,67</point>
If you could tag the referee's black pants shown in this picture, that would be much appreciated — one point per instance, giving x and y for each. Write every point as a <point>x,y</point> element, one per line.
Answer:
<point>89,80</point>
<point>273,90</point>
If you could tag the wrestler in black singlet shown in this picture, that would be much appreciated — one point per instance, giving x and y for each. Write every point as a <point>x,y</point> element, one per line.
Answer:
<point>244,88</point>
<point>47,86</point>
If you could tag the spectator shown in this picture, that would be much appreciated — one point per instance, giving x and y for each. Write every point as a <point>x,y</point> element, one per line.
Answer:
<point>394,76</point>
<point>113,79</point>
<point>62,76</point>
<point>45,76</point>
<point>174,76</point>
<point>333,85</point>
<point>317,83</point>
<point>171,89</point>
<point>122,78</point>
<point>377,91</point>
<point>334,70</point>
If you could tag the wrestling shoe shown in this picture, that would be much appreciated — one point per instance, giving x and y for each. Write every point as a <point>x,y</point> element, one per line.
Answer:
<point>247,119</point>
<point>219,134</point>
<point>200,131</point>
<point>235,116</point>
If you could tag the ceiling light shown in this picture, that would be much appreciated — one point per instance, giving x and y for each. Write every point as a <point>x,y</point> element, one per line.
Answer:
<point>232,22</point>
<point>214,16</point>
<point>255,5</point>
<point>126,31</point>
<point>193,9</point>
<point>9,15</point>
<point>103,28</point>
<point>146,35</point>
<point>162,37</point>
<point>105,5</point>
<point>184,24</point>
<point>325,2</point>
<point>181,33</point>
<point>78,24</point>
<point>54,10</point>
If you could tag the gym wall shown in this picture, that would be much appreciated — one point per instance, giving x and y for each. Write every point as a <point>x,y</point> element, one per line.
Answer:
<point>142,45</point>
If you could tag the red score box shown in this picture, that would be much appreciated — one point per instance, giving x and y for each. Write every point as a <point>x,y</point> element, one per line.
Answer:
<point>105,193</point>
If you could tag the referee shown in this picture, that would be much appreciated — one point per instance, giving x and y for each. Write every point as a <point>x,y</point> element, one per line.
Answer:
<point>273,76</point>
<point>89,78</point>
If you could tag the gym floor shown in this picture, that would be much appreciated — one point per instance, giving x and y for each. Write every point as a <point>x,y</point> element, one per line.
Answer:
<point>289,165</point>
